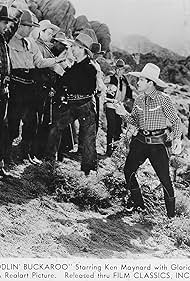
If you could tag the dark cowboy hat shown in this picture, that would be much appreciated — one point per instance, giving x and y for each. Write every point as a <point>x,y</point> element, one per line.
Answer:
<point>4,13</point>
<point>96,48</point>
<point>27,19</point>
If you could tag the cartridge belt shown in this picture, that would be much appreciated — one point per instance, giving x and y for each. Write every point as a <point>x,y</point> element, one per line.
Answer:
<point>156,139</point>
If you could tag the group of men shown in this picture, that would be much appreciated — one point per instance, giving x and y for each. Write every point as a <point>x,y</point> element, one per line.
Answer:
<point>39,80</point>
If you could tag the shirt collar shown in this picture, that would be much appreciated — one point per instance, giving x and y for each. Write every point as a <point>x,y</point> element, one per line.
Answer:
<point>151,93</point>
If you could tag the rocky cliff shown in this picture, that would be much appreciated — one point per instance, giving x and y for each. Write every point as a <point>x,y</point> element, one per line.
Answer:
<point>62,13</point>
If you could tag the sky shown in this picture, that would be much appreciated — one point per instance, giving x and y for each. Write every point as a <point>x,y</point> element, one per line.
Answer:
<point>166,22</point>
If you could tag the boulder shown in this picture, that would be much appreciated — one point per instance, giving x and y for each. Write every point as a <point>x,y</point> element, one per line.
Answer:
<point>102,33</point>
<point>81,23</point>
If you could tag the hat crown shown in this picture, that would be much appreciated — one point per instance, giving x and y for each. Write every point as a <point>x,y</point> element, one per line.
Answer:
<point>151,70</point>
<point>84,39</point>
<point>44,24</point>
<point>3,11</point>
<point>60,35</point>
<point>27,19</point>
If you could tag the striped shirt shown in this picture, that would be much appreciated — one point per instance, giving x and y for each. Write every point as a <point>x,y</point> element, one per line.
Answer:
<point>152,111</point>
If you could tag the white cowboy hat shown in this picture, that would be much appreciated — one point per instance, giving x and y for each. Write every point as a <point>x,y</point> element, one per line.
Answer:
<point>44,24</point>
<point>84,41</point>
<point>152,72</point>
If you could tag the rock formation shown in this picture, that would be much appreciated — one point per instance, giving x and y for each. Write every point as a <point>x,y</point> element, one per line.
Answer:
<point>62,13</point>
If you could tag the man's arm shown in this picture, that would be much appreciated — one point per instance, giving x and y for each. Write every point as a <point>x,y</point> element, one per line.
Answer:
<point>171,114</point>
<point>41,62</point>
<point>131,118</point>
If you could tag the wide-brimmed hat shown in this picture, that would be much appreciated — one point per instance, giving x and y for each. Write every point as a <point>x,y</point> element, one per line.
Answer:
<point>28,19</point>
<point>4,13</point>
<point>43,25</point>
<point>84,41</point>
<point>61,37</point>
<point>152,72</point>
<point>15,13</point>
<point>96,48</point>
<point>46,24</point>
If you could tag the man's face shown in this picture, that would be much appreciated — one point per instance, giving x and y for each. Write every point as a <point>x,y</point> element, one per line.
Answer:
<point>77,50</point>
<point>26,30</point>
<point>3,26</point>
<point>120,71</point>
<point>143,84</point>
<point>46,35</point>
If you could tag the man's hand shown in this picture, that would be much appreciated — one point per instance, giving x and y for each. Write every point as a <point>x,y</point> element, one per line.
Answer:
<point>176,146</point>
<point>120,109</point>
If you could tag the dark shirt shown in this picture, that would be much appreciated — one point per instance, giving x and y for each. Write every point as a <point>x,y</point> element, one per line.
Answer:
<point>114,81</point>
<point>80,79</point>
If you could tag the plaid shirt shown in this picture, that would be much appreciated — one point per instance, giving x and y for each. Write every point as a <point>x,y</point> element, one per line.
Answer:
<point>153,111</point>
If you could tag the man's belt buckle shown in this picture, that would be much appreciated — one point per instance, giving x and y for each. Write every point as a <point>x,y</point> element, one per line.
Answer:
<point>146,133</point>
<point>148,140</point>
<point>27,70</point>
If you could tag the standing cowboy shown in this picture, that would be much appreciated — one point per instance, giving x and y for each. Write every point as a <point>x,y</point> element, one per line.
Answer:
<point>118,91</point>
<point>25,58</point>
<point>80,81</point>
<point>5,36</point>
<point>151,112</point>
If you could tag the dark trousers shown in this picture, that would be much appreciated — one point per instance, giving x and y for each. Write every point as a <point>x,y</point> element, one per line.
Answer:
<point>97,111</point>
<point>158,157</point>
<point>86,114</point>
<point>3,128</point>
<point>114,122</point>
<point>22,106</point>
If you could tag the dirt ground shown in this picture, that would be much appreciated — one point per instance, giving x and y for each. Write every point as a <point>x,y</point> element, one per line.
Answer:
<point>35,225</point>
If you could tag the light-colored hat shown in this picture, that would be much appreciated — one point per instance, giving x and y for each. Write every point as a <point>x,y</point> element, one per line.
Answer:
<point>84,41</point>
<point>60,37</point>
<point>152,72</point>
<point>44,24</point>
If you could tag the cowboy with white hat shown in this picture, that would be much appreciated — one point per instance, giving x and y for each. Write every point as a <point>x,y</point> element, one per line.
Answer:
<point>151,111</point>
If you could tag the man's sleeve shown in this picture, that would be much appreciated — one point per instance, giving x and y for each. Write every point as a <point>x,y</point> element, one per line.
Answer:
<point>171,114</point>
<point>39,61</point>
<point>133,117</point>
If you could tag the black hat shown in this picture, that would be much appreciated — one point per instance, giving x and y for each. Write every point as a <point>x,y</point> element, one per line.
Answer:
<point>96,48</point>
<point>4,15</point>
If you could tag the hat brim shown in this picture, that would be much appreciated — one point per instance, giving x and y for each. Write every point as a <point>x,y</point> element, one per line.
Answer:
<point>52,26</point>
<point>158,81</point>
<point>7,18</point>
<point>30,24</point>
<point>63,41</point>
<point>74,42</point>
